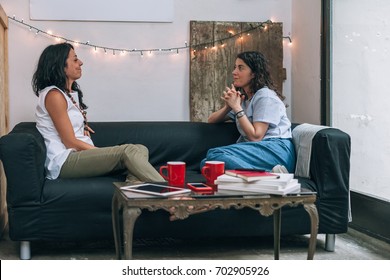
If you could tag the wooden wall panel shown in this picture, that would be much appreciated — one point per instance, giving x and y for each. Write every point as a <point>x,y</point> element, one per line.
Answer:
<point>214,46</point>
<point>4,114</point>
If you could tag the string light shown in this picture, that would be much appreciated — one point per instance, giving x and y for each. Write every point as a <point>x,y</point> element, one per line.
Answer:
<point>289,39</point>
<point>205,45</point>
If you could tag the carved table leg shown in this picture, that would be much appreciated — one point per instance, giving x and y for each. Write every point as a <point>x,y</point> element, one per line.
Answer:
<point>312,210</point>
<point>277,231</point>
<point>115,224</point>
<point>130,215</point>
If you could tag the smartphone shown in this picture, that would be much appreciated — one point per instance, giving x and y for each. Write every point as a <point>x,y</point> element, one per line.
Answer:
<point>200,188</point>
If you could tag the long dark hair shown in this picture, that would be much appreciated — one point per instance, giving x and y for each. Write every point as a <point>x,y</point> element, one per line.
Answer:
<point>260,68</point>
<point>51,71</point>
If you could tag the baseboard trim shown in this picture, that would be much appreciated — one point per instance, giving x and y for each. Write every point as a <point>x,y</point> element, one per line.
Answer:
<point>370,215</point>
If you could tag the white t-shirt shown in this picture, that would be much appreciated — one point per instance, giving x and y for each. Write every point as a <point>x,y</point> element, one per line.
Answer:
<point>56,150</point>
<point>266,106</point>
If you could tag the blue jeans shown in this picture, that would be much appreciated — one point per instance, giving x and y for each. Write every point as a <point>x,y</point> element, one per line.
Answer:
<point>262,155</point>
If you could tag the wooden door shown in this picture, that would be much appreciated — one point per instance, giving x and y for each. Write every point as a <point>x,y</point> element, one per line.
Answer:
<point>214,46</point>
<point>4,115</point>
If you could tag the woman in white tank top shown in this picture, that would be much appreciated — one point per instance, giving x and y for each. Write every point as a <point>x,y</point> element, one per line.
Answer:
<point>61,119</point>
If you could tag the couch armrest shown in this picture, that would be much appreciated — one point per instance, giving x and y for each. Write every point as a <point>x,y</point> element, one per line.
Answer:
<point>23,157</point>
<point>330,163</point>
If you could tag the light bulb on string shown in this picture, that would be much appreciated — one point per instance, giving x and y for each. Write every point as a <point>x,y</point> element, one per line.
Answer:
<point>289,40</point>
<point>214,44</point>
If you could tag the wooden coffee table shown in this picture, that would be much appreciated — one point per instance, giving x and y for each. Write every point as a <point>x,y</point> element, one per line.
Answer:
<point>132,205</point>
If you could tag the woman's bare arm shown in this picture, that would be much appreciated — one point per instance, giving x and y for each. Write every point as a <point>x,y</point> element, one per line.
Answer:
<point>56,105</point>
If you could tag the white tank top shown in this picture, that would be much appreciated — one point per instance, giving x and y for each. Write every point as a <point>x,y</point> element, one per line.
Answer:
<point>56,150</point>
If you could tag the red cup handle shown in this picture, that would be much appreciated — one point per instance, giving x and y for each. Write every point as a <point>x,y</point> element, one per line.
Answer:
<point>164,167</point>
<point>205,172</point>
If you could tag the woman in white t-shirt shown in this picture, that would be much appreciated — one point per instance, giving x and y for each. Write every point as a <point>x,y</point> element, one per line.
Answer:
<point>257,107</point>
<point>61,119</point>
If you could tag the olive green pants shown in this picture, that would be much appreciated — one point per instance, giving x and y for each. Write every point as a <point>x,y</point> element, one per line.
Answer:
<point>103,161</point>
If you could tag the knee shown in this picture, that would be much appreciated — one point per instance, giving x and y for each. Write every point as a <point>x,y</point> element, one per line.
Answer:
<point>142,149</point>
<point>214,154</point>
<point>132,150</point>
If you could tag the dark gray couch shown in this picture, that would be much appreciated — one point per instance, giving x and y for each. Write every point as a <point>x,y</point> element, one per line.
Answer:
<point>80,209</point>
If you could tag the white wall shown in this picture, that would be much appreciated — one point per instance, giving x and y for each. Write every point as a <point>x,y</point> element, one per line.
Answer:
<point>130,87</point>
<point>361,88</point>
<point>306,62</point>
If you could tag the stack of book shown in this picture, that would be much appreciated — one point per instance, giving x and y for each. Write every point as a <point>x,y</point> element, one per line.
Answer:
<point>258,182</point>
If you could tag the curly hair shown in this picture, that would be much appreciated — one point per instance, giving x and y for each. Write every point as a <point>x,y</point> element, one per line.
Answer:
<point>260,68</point>
<point>50,71</point>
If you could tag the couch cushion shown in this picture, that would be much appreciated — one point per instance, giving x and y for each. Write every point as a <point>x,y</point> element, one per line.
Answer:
<point>167,141</point>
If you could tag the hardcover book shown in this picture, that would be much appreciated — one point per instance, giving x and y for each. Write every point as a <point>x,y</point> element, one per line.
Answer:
<point>259,185</point>
<point>291,188</point>
<point>283,179</point>
<point>251,175</point>
<point>283,184</point>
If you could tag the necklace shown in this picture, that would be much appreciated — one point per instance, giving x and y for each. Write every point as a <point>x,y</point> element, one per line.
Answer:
<point>83,112</point>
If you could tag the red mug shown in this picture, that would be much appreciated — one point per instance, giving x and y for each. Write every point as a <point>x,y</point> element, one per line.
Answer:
<point>176,173</point>
<point>211,170</point>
